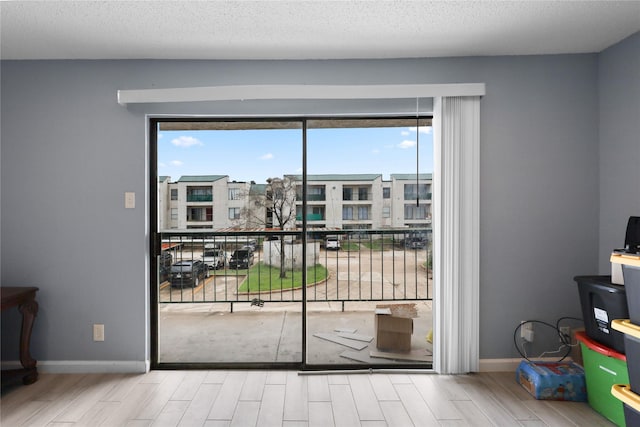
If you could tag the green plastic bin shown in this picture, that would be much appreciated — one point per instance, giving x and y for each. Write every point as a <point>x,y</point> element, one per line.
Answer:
<point>603,367</point>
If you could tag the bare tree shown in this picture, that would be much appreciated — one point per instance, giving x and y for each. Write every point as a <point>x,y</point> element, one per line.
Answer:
<point>273,206</point>
<point>254,212</point>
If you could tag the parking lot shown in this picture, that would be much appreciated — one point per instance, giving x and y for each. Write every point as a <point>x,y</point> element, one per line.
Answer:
<point>353,276</point>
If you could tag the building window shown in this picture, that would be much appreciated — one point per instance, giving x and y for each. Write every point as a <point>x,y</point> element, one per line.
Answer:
<point>234,213</point>
<point>386,192</point>
<point>347,212</point>
<point>408,211</point>
<point>174,214</point>
<point>199,214</point>
<point>347,193</point>
<point>234,194</point>
<point>174,194</point>
<point>363,193</point>
<point>411,191</point>
<point>415,212</point>
<point>363,212</point>
<point>315,193</point>
<point>386,212</point>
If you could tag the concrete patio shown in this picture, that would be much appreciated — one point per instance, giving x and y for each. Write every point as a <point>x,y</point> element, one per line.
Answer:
<point>211,333</point>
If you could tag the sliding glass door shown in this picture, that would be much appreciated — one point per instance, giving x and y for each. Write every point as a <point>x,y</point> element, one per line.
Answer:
<point>368,221</point>
<point>299,243</point>
<point>226,238</point>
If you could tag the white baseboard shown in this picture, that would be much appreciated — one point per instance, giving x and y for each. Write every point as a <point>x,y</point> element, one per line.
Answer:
<point>508,365</point>
<point>86,366</point>
<point>143,366</point>
<point>499,365</point>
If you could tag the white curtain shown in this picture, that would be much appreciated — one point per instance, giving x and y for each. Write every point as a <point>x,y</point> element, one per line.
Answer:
<point>456,234</point>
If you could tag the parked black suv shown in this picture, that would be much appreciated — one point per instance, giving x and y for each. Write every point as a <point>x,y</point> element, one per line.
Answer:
<point>164,265</point>
<point>241,258</point>
<point>188,273</point>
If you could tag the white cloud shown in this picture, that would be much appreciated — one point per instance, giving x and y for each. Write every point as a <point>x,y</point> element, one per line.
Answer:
<point>406,132</point>
<point>186,141</point>
<point>375,151</point>
<point>267,156</point>
<point>407,143</point>
<point>161,165</point>
<point>177,163</point>
<point>423,129</point>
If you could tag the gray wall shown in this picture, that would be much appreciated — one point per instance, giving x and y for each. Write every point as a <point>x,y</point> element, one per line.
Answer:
<point>619,135</point>
<point>69,152</point>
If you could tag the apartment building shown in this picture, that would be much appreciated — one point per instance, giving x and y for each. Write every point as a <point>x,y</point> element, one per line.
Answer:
<point>410,200</point>
<point>334,201</point>
<point>193,202</point>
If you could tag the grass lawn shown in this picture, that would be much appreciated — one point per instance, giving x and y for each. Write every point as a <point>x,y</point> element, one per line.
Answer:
<point>264,278</point>
<point>348,246</point>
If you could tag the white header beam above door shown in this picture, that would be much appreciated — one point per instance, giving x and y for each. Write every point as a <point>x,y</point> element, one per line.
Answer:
<point>283,92</point>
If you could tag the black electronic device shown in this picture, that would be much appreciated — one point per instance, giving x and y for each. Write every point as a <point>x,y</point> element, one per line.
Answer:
<point>632,237</point>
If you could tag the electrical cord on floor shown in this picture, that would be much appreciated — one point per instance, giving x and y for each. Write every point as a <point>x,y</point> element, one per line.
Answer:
<point>565,339</point>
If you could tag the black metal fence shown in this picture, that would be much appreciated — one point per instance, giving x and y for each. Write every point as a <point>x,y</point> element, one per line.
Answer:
<point>341,266</point>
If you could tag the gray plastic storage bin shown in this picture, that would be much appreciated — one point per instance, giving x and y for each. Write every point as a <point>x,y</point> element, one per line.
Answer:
<point>632,287</point>
<point>631,402</point>
<point>632,346</point>
<point>602,302</point>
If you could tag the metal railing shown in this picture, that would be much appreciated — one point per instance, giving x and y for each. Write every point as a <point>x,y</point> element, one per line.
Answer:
<point>311,217</point>
<point>199,197</point>
<point>370,265</point>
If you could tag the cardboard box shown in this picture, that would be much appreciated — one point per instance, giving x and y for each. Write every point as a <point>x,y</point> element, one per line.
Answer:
<point>576,350</point>
<point>553,380</point>
<point>393,333</point>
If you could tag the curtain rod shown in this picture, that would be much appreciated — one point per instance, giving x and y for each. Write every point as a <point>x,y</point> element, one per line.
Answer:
<point>291,92</point>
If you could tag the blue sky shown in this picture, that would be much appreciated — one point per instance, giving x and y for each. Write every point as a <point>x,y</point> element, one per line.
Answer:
<point>256,155</point>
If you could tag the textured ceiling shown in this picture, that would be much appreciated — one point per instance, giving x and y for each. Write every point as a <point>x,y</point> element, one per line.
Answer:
<point>309,29</point>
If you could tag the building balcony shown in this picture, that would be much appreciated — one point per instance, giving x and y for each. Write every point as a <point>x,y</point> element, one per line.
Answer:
<point>199,197</point>
<point>358,198</point>
<point>311,217</point>
<point>311,198</point>
<point>412,196</point>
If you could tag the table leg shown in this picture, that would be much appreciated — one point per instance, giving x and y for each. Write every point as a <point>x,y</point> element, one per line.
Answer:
<point>29,312</point>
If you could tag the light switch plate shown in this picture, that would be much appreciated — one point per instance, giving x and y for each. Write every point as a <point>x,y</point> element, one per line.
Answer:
<point>129,200</point>
<point>98,332</point>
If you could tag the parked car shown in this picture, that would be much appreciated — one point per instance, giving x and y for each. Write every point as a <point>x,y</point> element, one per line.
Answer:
<point>251,244</point>
<point>164,265</point>
<point>414,243</point>
<point>214,258</point>
<point>188,273</point>
<point>241,258</point>
<point>332,243</point>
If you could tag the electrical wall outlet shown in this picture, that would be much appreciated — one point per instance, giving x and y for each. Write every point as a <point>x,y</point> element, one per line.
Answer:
<point>98,332</point>
<point>526,331</point>
<point>565,334</point>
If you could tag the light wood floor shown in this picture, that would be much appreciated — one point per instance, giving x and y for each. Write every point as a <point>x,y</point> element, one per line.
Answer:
<point>284,398</point>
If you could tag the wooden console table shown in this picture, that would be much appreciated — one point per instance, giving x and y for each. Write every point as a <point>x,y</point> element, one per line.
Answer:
<point>25,299</point>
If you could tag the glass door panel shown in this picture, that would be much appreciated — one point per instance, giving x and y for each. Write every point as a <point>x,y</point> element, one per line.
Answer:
<point>228,263</point>
<point>368,224</point>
